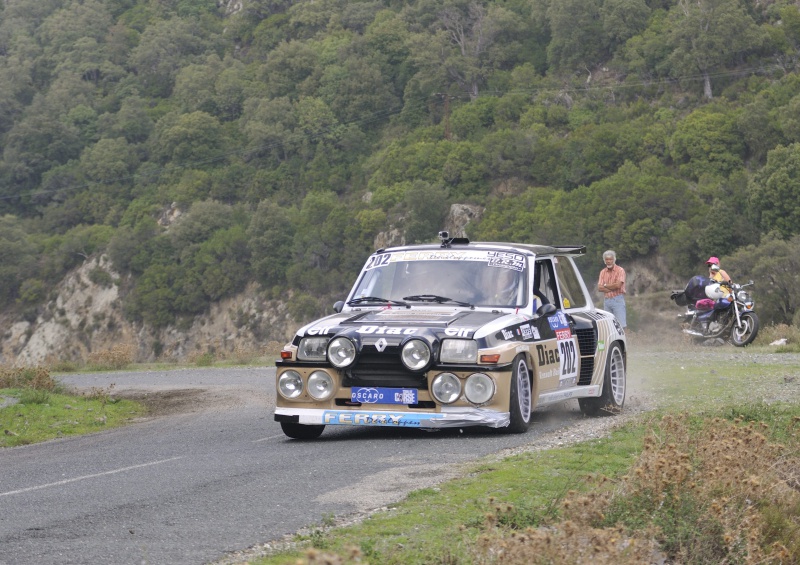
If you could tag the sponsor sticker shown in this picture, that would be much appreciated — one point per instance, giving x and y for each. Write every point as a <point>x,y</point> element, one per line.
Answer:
<point>558,322</point>
<point>529,332</point>
<point>361,418</point>
<point>387,330</point>
<point>378,395</point>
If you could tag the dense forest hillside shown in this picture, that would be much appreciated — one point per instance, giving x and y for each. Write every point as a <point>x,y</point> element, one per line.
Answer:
<point>204,147</point>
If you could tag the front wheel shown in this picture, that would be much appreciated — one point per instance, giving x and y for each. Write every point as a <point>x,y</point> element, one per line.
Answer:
<point>302,431</point>
<point>744,335</point>
<point>521,399</point>
<point>612,398</point>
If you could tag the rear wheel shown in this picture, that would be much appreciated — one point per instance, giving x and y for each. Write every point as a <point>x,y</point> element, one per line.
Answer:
<point>301,431</point>
<point>612,398</point>
<point>521,399</point>
<point>741,336</point>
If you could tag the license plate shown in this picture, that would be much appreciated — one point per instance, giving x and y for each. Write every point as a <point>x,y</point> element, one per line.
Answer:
<point>374,395</point>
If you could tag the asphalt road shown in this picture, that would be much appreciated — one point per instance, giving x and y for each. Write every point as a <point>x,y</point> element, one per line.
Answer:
<point>212,473</point>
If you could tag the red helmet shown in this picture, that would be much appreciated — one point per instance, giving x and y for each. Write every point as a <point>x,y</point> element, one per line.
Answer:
<point>712,261</point>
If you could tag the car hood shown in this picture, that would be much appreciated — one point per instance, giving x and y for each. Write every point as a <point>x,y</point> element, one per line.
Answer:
<point>402,321</point>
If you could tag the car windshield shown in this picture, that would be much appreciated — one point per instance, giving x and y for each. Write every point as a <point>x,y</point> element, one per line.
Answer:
<point>479,278</point>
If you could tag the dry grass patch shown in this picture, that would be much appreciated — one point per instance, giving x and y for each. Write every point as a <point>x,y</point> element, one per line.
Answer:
<point>702,491</point>
<point>112,359</point>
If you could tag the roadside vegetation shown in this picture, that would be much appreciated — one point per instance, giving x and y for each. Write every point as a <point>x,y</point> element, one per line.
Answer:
<point>34,407</point>
<point>188,151</point>
<point>710,476</point>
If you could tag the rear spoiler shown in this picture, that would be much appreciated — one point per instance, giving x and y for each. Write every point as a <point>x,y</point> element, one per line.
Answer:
<point>571,249</point>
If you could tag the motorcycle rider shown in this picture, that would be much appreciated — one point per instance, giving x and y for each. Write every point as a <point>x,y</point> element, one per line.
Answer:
<point>715,273</point>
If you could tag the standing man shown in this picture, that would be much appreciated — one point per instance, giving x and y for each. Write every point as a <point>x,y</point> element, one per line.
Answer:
<point>612,285</point>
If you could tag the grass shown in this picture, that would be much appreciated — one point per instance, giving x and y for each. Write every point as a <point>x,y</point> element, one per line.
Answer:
<point>38,409</point>
<point>710,476</point>
<point>122,357</point>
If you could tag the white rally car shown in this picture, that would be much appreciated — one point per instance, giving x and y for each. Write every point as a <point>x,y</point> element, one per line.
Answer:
<point>454,334</point>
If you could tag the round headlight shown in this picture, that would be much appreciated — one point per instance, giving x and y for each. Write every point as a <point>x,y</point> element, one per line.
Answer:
<point>341,352</point>
<point>320,385</point>
<point>446,388</point>
<point>416,354</point>
<point>479,388</point>
<point>742,296</point>
<point>290,384</point>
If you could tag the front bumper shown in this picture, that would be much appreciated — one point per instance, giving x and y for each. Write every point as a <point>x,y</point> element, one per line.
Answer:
<point>454,417</point>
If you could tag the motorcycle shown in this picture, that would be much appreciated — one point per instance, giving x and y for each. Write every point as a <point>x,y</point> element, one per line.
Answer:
<point>713,313</point>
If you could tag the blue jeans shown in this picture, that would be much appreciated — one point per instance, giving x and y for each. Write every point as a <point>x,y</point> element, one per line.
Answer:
<point>616,306</point>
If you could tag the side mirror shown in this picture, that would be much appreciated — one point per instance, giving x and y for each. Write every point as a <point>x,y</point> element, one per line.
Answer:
<point>338,305</point>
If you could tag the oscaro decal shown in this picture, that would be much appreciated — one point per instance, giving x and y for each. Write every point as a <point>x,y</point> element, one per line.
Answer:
<point>388,330</point>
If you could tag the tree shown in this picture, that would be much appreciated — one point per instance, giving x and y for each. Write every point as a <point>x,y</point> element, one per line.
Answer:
<point>622,19</point>
<point>775,192</point>
<point>17,257</point>
<point>707,142</point>
<point>577,38</point>
<point>270,234</point>
<point>708,34</point>
<point>774,265</point>
<point>194,138</point>
<point>164,48</point>
<point>462,49</point>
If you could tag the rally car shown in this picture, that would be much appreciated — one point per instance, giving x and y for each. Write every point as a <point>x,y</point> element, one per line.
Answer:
<point>454,334</point>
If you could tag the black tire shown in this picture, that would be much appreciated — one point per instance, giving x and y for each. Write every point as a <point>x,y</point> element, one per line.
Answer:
<point>612,398</point>
<point>521,398</point>
<point>747,333</point>
<point>302,431</point>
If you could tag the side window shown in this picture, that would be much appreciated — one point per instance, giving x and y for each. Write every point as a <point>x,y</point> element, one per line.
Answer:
<point>571,289</point>
<point>544,283</point>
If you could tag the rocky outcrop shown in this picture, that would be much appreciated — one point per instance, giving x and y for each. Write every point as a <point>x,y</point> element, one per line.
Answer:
<point>460,216</point>
<point>86,316</point>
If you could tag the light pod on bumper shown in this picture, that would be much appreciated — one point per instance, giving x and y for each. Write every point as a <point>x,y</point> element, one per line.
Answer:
<point>479,388</point>
<point>446,388</point>
<point>290,384</point>
<point>320,385</point>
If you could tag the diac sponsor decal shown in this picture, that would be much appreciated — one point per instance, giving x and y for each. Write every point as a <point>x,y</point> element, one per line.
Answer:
<point>546,355</point>
<point>386,330</point>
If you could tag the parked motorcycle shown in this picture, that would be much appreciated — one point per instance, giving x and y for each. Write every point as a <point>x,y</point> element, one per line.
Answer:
<point>711,312</point>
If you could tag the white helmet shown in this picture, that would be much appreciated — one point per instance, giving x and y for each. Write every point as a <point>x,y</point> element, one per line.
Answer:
<point>714,291</point>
